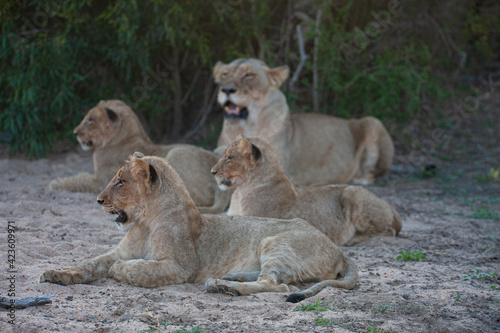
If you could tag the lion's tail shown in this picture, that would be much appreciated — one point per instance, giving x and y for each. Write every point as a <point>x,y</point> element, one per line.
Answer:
<point>347,282</point>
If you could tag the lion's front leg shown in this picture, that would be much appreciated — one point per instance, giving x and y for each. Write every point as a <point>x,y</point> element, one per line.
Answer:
<point>149,273</point>
<point>85,272</point>
<point>82,182</point>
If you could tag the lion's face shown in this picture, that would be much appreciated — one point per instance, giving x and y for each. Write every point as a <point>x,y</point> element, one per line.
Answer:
<point>100,123</point>
<point>244,82</point>
<point>238,161</point>
<point>125,194</point>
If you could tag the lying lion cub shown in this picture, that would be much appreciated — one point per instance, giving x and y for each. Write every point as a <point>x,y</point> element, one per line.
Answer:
<point>314,148</point>
<point>346,214</point>
<point>113,131</point>
<point>170,242</point>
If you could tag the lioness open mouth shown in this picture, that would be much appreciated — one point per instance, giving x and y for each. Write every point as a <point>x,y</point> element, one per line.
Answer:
<point>121,217</point>
<point>88,143</point>
<point>232,110</point>
<point>226,182</point>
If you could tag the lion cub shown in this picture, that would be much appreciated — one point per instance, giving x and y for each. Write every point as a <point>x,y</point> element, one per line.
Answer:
<point>346,214</point>
<point>112,130</point>
<point>170,242</point>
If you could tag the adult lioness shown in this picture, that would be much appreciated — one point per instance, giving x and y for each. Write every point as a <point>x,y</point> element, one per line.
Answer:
<point>113,131</point>
<point>170,242</point>
<point>346,214</point>
<point>313,148</point>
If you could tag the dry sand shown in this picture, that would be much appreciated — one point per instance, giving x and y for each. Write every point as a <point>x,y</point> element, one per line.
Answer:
<point>57,229</point>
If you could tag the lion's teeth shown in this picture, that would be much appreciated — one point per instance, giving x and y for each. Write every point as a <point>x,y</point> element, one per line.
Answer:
<point>227,109</point>
<point>237,109</point>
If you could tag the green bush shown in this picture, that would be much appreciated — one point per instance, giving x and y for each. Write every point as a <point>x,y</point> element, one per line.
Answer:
<point>59,58</point>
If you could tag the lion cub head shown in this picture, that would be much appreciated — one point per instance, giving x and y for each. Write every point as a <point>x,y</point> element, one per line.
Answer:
<point>244,82</point>
<point>109,122</point>
<point>239,160</point>
<point>132,186</point>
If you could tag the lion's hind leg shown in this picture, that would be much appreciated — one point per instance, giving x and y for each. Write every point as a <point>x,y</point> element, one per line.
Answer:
<point>82,182</point>
<point>244,288</point>
<point>370,215</point>
<point>375,151</point>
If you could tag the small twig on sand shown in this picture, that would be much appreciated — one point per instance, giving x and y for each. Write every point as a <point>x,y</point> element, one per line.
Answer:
<point>23,303</point>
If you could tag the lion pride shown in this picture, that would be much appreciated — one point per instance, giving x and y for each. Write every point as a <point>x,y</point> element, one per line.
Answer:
<point>314,148</point>
<point>112,130</point>
<point>170,242</point>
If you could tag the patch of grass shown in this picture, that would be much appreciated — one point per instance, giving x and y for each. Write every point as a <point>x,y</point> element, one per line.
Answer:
<point>491,176</point>
<point>190,330</point>
<point>491,247</point>
<point>383,309</point>
<point>180,330</point>
<point>484,213</point>
<point>455,191</point>
<point>430,171</point>
<point>477,274</point>
<point>445,212</point>
<point>495,287</point>
<point>375,329</point>
<point>451,177</point>
<point>317,308</point>
<point>409,256</point>
<point>457,298</point>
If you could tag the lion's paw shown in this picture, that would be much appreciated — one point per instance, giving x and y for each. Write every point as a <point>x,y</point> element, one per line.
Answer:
<point>362,181</point>
<point>220,286</point>
<point>56,184</point>
<point>59,277</point>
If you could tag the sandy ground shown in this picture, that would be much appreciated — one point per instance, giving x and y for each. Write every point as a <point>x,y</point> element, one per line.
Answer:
<point>451,218</point>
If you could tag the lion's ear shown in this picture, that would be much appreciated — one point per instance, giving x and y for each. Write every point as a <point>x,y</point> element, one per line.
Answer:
<point>245,148</point>
<point>144,172</point>
<point>111,115</point>
<point>278,75</point>
<point>217,69</point>
<point>138,155</point>
<point>256,152</point>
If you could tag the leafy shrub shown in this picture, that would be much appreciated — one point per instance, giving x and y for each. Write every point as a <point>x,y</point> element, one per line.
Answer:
<point>60,58</point>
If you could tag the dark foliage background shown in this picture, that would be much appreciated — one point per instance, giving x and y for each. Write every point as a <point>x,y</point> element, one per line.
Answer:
<point>396,60</point>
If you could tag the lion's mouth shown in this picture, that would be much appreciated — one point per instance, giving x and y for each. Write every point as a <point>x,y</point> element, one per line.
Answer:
<point>224,183</point>
<point>232,110</point>
<point>86,145</point>
<point>121,216</point>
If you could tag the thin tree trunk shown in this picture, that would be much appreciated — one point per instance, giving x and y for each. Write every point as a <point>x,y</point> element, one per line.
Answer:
<point>176,71</point>
<point>315,63</point>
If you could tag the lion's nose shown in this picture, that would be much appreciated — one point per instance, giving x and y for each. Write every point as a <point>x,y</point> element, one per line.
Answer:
<point>75,133</point>
<point>214,172</point>
<point>228,91</point>
<point>100,202</point>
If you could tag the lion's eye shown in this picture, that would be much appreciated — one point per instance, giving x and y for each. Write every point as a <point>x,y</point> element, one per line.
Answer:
<point>249,75</point>
<point>90,120</point>
<point>119,182</point>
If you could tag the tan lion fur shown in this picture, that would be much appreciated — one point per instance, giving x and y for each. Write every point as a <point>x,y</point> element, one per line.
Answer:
<point>314,148</point>
<point>114,139</point>
<point>346,214</point>
<point>170,242</point>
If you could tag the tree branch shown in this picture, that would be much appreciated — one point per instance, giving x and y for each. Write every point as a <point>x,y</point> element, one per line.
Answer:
<point>303,56</point>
